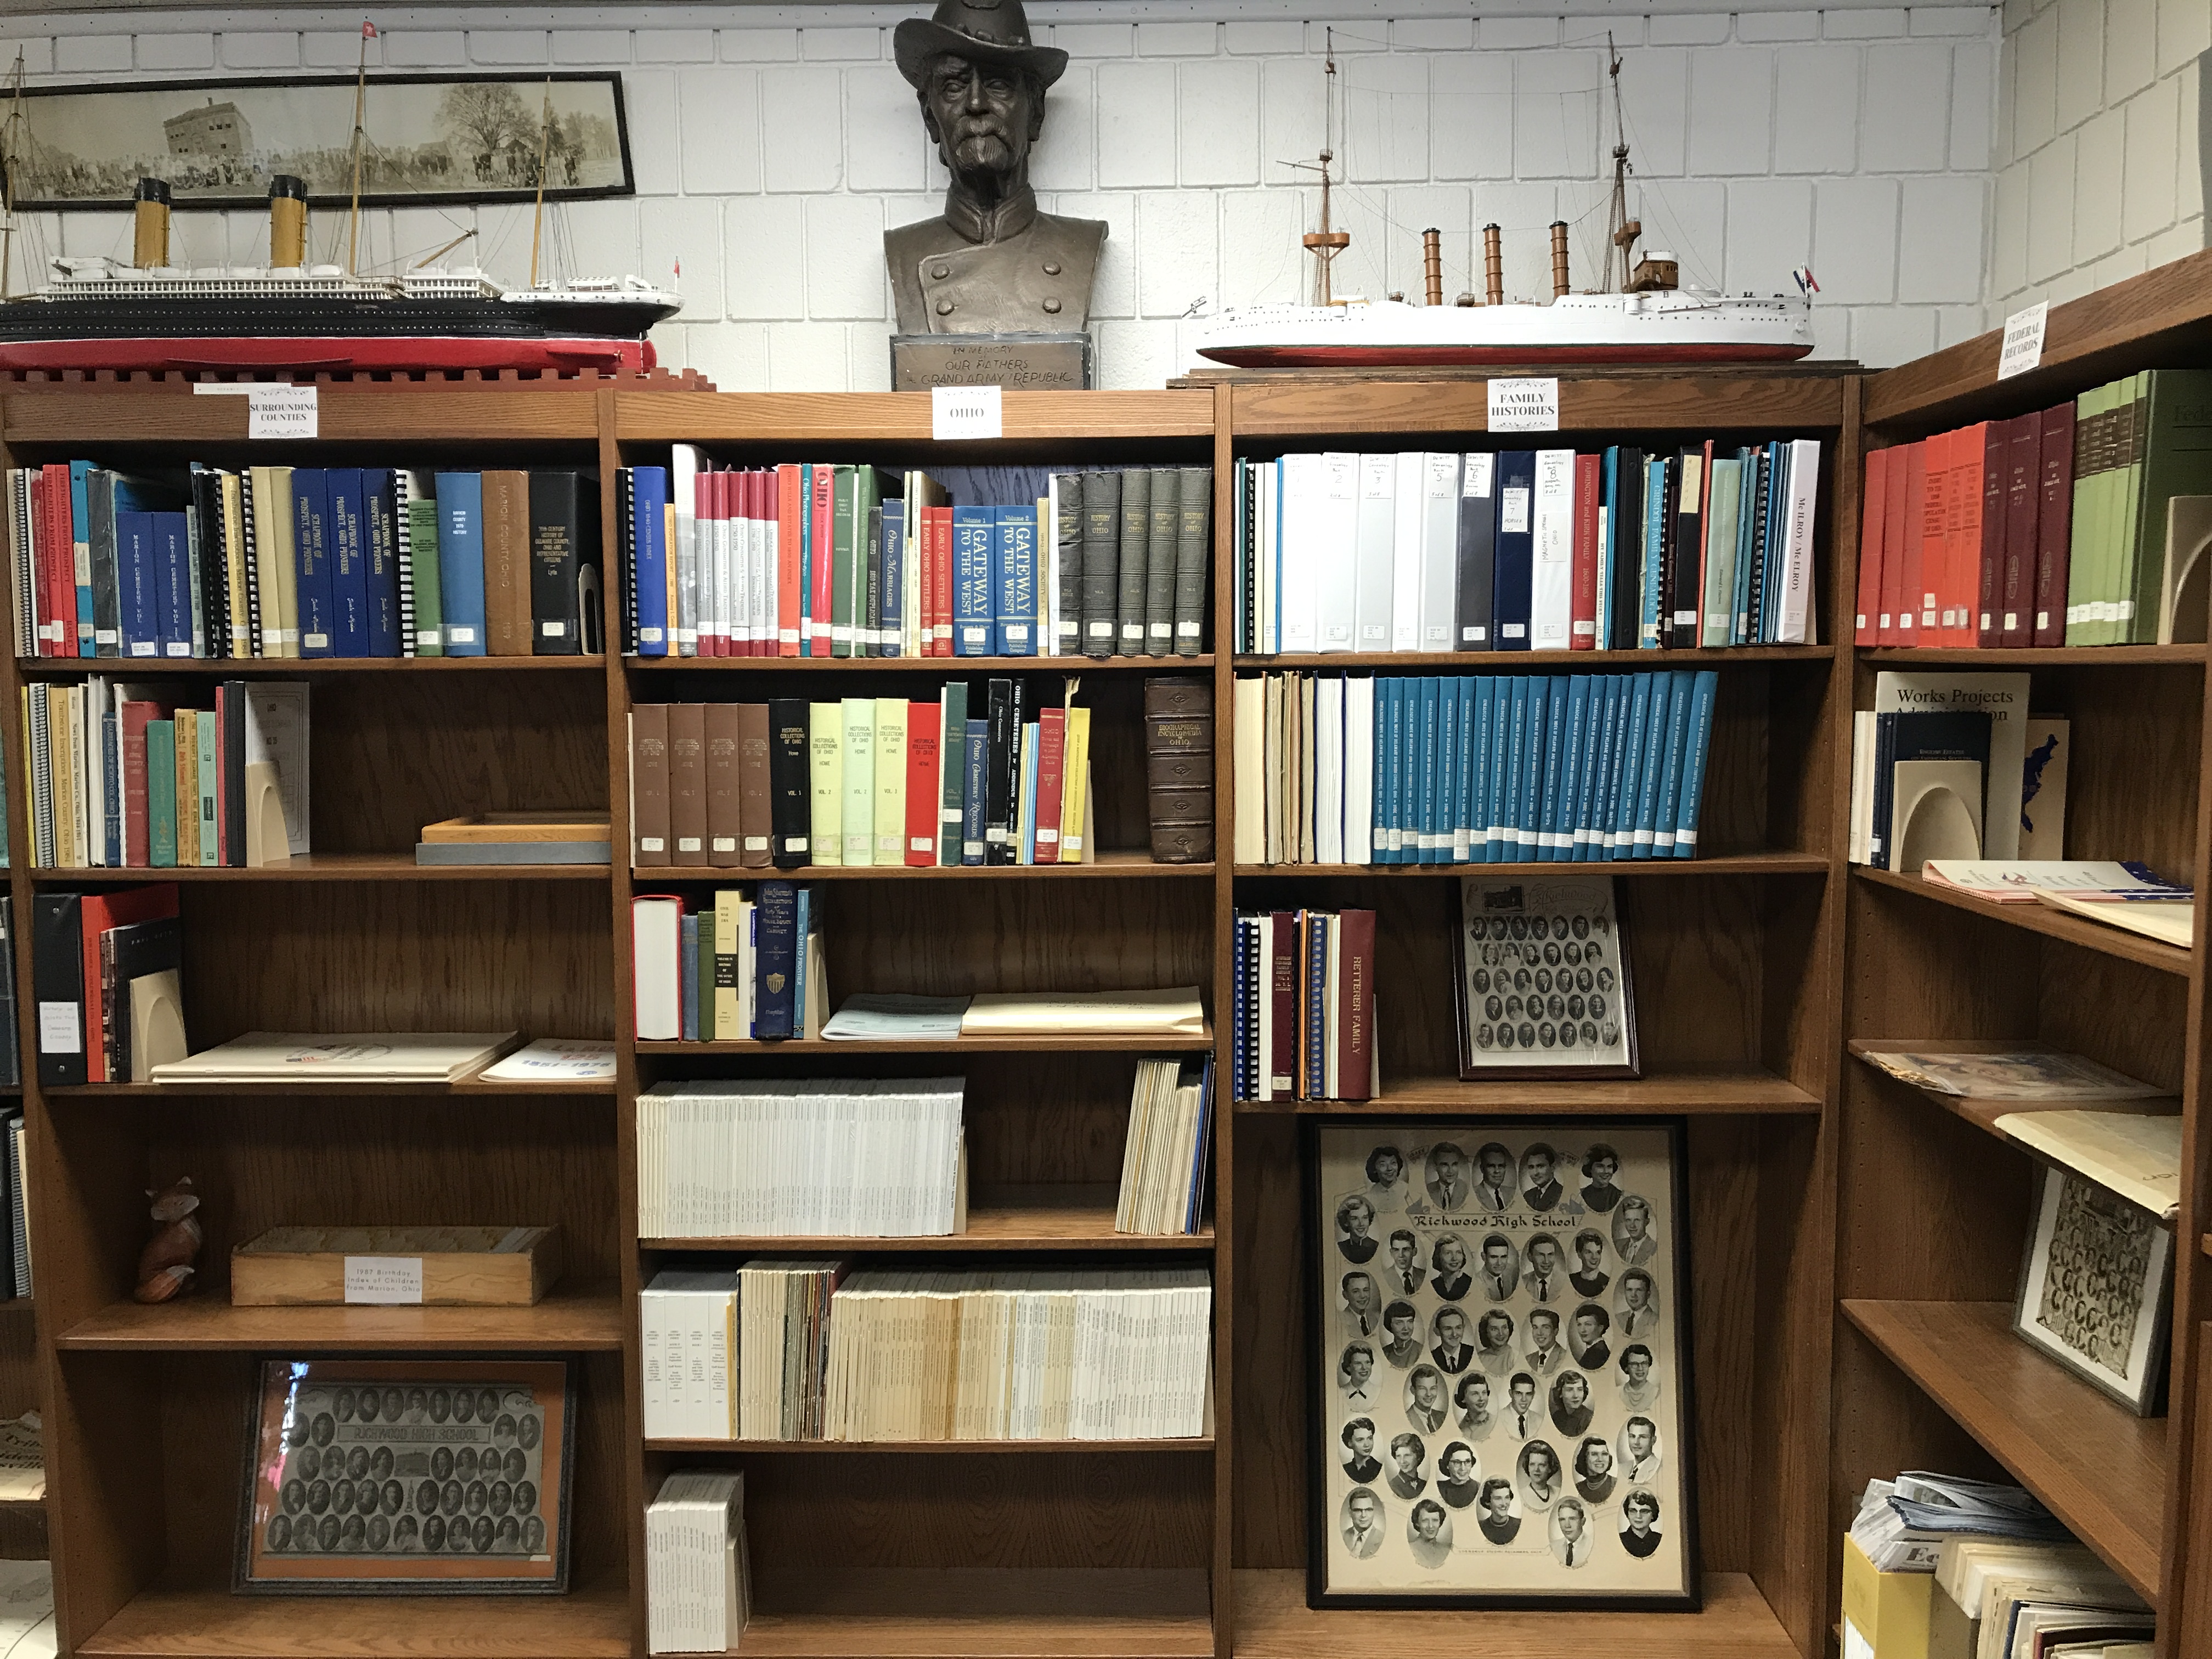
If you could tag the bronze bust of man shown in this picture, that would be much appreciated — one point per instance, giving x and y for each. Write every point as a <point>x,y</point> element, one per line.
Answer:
<point>992,264</point>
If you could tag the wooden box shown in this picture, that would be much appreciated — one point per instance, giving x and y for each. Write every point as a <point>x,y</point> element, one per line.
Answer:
<point>459,1266</point>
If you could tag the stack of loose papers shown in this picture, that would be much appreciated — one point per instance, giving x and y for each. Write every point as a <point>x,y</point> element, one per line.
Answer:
<point>1164,1158</point>
<point>23,1463</point>
<point>2018,881</point>
<point>556,1059</point>
<point>1901,1524</point>
<point>2027,1071</point>
<point>1176,1012</point>
<point>2135,1154</point>
<point>895,1017</point>
<point>346,1057</point>
<point>26,1610</point>
<point>698,1591</point>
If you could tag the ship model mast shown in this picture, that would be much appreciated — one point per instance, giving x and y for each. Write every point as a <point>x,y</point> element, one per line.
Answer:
<point>14,147</point>
<point>1327,242</point>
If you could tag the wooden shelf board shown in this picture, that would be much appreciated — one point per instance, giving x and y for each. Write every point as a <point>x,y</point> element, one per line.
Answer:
<point>986,1613</point>
<point>2032,657</point>
<point>950,667</point>
<point>1063,1218</point>
<point>1123,863</point>
<point>1057,1042</point>
<point>988,1447</point>
<point>2041,918</point>
<point>1591,401</point>
<point>1985,1114</point>
<point>590,1316</point>
<point>845,419</point>
<point>246,668</point>
<point>1777,863</point>
<point>2099,1468</point>
<point>1687,1089</point>
<point>329,866</point>
<point>307,1086</point>
<point>1499,662</point>
<point>212,1622</point>
<point>1273,1622</point>
<point>430,414</point>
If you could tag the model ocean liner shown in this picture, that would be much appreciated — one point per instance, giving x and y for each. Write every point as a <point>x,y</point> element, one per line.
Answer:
<point>1647,317</point>
<point>99,315</point>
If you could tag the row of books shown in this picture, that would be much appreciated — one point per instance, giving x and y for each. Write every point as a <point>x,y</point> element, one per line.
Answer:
<point>977,775</point>
<point>698,1583</point>
<point>129,776</point>
<point>302,562</point>
<point>737,1353</point>
<point>1304,1016</point>
<point>1481,769</point>
<point>745,965</point>
<point>789,1158</point>
<point>1164,1158</point>
<point>105,968</point>
<point>16,1281</point>
<point>2082,524</point>
<point>819,560</point>
<point>1527,550</point>
<point>1950,764</point>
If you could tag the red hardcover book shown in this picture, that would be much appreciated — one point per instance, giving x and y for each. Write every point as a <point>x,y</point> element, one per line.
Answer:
<point>1052,753</point>
<point>821,479</point>
<point>759,604</point>
<point>790,558</point>
<point>1590,488</point>
<point>1893,630</point>
<point>1918,462</point>
<point>1962,535</point>
<point>924,787</point>
<point>96,913</point>
<point>132,721</point>
<point>2054,524</point>
<point>729,539</point>
<point>1988,620</point>
<point>767,585</point>
<point>42,542</point>
<point>1355,1004</point>
<point>1874,505</point>
<point>1935,541</point>
<point>944,517</point>
<point>59,566</point>
<point>2023,447</point>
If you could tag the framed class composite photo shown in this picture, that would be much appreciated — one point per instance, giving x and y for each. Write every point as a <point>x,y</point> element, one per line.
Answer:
<point>1541,986</point>
<point>2094,1288</point>
<point>408,1476</point>
<point>1499,1363</point>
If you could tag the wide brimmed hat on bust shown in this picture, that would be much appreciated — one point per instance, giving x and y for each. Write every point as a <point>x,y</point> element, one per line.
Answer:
<point>981,31</point>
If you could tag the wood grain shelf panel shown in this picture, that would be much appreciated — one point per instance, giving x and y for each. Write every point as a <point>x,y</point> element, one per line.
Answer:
<point>212,1622</point>
<point>2080,656</point>
<point>1037,1613</point>
<point>2098,1469</point>
<point>795,418</point>
<point>589,1317</point>
<point>476,1087</point>
<point>1273,1622</point>
<point>950,667</point>
<point>1588,401</point>
<point>1122,863</point>
<point>1057,1043</point>
<point>1777,863</point>
<point>1985,1114</point>
<point>2041,918</point>
<point>923,1448</point>
<point>1692,1090</point>
<point>246,668</point>
<point>1523,662</point>
<point>1066,1218</point>
<point>441,414</point>
<point>327,867</point>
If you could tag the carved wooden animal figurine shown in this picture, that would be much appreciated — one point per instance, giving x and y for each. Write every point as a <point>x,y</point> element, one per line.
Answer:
<point>165,1265</point>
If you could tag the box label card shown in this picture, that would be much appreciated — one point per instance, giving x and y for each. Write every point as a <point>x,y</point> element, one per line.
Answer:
<point>391,1281</point>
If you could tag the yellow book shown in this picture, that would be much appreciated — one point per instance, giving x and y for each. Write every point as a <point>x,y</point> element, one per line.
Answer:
<point>1075,787</point>
<point>826,775</point>
<point>61,731</point>
<point>185,734</point>
<point>860,816</point>
<point>1889,1610</point>
<point>891,780</point>
<point>234,556</point>
<point>274,574</point>
<point>729,1003</point>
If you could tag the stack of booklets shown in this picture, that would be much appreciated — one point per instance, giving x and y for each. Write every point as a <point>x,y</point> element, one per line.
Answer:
<point>341,1057</point>
<point>742,965</point>
<point>556,1060</point>
<point>1952,766</point>
<point>1305,1022</point>
<point>698,1586</point>
<point>15,1280</point>
<point>131,775</point>
<point>1029,1355</point>
<point>818,560</point>
<point>569,837</point>
<point>978,775</point>
<point>2048,529</point>
<point>1527,550</point>
<point>2127,894</point>
<point>302,562</point>
<point>1164,1159</point>
<point>105,970</point>
<point>1471,768</point>
<point>737,1353</point>
<point>877,1157</point>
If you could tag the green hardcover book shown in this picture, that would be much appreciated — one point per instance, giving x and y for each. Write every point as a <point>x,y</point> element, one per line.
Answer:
<point>952,772</point>
<point>2091,429</point>
<point>704,989</point>
<point>843,539</point>
<point>1717,619</point>
<point>210,779</point>
<point>162,794</point>
<point>2175,446</point>
<point>422,565</point>
<point>2127,487</point>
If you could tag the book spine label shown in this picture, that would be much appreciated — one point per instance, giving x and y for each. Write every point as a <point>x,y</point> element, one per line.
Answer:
<point>649,786</point>
<point>723,810</point>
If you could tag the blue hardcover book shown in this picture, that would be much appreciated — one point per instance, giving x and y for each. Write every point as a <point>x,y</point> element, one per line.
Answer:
<point>379,529</point>
<point>1513,571</point>
<point>1404,712</point>
<point>687,976</point>
<point>974,808</point>
<point>775,930</point>
<point>1515,727</point>
<point>140,610</point>
<point>1412,764</point>
<point>1482,718</point>
<point>1015,587</point>
<point>1574,763</point>
<point>1655,802</point>
<point>1466,763</point>
<point>1610,564</point>
<point>1314,1051</point>
<point>81,639</point>
<point>460,562</point>
<point>1701,696</point>
<point>1533,766</point>
<point>892,641</point>
<point>173,582</point>
<point>1434,737</point>
<point>311,561</point>
<point>346,546</point>
<point>1596,823</point>
<point>973,530</point>
<point>1557,754</point>
<point>1386,726</point>
<point>1618,787</point>
<point>1675,745</point>
<point>953,769</point>
<point>1631,767</point>
<point>803,909</point>
<point>649,551</point>
<point>1746,544</point>
<point>1496,734</point>
<point>1655,523</point>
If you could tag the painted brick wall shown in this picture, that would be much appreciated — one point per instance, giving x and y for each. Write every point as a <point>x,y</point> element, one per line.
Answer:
<point>770,160</point>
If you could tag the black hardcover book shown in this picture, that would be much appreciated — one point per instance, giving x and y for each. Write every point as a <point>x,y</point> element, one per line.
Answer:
<point>1624,596</point>
<point>214,570</point>
<point>1160,553</point>
<point>1474,552</point>
<point>1685,602</point>
<point>997,776</point>
<point>870,642</point>
<point>1136,536</point>
<point>1102,542</point>
<point>1762,533</point>
<point>106,589</point>
<point>1248,621</point>
<point>626,554</point>
<point>1068,635</point>
<point>776,961</point>
<point>789,808</point>
<point>57,983</point>
<point>1670,487</point>
<point>254,646</point>
<point>1193,540</point>
<point>11,1068</point>
<point>129,952</point>
<point>564,536</point>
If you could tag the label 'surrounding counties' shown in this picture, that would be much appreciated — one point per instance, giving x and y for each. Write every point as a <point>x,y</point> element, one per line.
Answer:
<point>392,1281</point>
<point>2023,340</point>
<point>280,411</point>
<point>958,412</point>
<point>1524,405</point>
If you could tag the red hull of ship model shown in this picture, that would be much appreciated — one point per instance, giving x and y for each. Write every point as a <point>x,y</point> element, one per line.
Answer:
<point>355,352</point>
<point>1374,357</point>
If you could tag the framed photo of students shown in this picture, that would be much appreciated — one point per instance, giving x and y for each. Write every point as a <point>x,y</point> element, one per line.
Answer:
<point>2096,1288</point>
<point>1542,986</point>
<point>409,1477</point>
<point>1501,1401</point>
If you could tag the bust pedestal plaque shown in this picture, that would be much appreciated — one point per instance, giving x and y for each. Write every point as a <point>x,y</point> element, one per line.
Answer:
<point>1020,362</point>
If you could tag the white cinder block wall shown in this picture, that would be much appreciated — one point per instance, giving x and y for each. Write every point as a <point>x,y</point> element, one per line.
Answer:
<point>770,159</point>
<point>2100,150</point>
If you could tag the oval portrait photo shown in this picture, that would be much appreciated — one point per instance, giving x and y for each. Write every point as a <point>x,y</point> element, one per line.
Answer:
<point>1429,1531</point>
<point>1476,1403</point>
<point>1493,1343</point>
<point>1501,1511</point>
<point>1493,1171</point>
<point>1538,1475</point>
<point>1386,1179</point>
<point>1459,1475</point>
<point>1401,1333</point>
<point>1355,1377</point>
<point>1357,1440</point>
<point>1636,1306</point>
<point>1600,1169</point>
<point>1409,1458</point>
<point>1640,1452</point>
<point>1640,1388</point>
<point>1594,1476</point>
<point>1359,1301</point>
<point>1540,1178</point>
<point>1589,1277</point>
<point>1586,1331</point>
<point>1355,1230</point>
<point>1446,1177</point>
<point>1501,1268</point>
<point>1451,1348</point>
<point>1359,1522</point>
<point>1570,1403</point>
<point>1427,1401</point>
<point>1447,1267</point>
<point>1639,1523</point>
<point>1400,1270</point>
<point>1570,1533</point>
<point>1631,1231</point>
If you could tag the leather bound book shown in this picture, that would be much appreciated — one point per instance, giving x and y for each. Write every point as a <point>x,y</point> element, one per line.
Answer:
<point>1355,993</point>
<point>1136,544</point>
<point>1193,522</point>
<point>564,538</point>
<point>753,789</point>
<point>1179,767</point>
<point>687,783</point>
<point>790,807</point>
<point>1101,541</point>
<point>1160,563</point>
<point>1068,637</point>
<point>506,564</point>
<point>723,822</point>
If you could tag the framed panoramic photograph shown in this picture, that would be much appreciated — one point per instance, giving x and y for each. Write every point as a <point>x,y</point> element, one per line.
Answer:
<point>431,140</point>
<point>2094,1288</point>
<point>1499,1364</point>
<point>408,1476</point>
<point>1542,986</point>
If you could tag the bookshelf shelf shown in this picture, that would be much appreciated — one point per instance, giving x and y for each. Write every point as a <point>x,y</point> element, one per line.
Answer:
<point>293,667</point>
<point>852,422</point>
<point>1590,402</point>
<point>1983,1114</point>
<point>950,667</point>
<point>2099,1468</point>
<point>2105,656</point>
<point>107,416</point>
<point>1529,662</point>
<point>579,1319</point>
<point>1119,863</point>
<point>1014,1613</point>
<point>1058,1042</point>
<point>927,1447</point>
<point>1024,1219</point>
<point>1687,1091</point>
<point>475,1087</point>
<point>1778,863</point>
<point>210,1622</point>
<point>325,867</point>
<point>2041,919</point>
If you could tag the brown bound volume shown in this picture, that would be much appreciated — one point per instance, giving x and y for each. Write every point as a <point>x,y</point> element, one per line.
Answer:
<point>756,802</point>
<point>687,783</point>
<point>648,785</point>
<point>724,814</point>
<point>506,564</point>
<point>1179,767</point>
<point>1355,1005</point>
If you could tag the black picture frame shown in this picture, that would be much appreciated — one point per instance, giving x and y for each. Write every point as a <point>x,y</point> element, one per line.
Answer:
<point>1499,1065</point>
<point>2058,1190</point>
<point>1317,1258</point>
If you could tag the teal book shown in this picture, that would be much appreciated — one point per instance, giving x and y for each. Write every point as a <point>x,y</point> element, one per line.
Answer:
<point>1387,715</point>
<point>1433,738</point>
<point>1497,735</point>
<point>1607,768</point>
<point>421,524</point>
<point>1667,761</point>
<point>210,833</point>
<point>1631,768</point>
<point>1699,738</point>
<point>162,794</point>
<point>1466,762</point>
<point>1567,829</point>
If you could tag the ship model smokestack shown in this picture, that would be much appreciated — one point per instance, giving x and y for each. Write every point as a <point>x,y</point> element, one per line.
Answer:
<point>1432,266</point>
<point>1559,283</point>
<point>150,246</point>
<point>288,222</point>
<point>1493,264</point>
